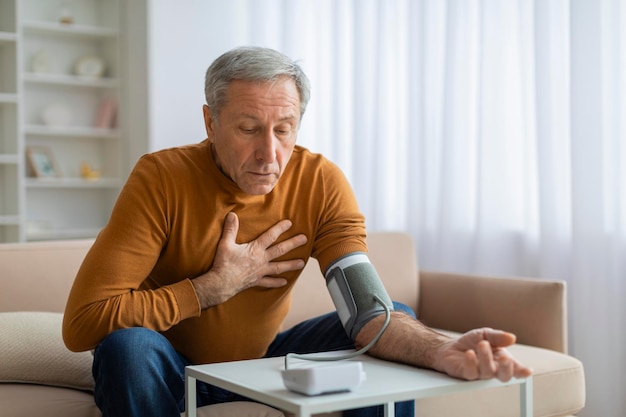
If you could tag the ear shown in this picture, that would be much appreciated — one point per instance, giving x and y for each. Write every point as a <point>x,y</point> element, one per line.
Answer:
<point>209,123</point>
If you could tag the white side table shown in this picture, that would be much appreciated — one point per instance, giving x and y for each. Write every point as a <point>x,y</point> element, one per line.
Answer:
<point>387,383</point>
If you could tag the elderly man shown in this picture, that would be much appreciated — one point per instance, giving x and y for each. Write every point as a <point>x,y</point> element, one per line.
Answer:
<point>206,241</point>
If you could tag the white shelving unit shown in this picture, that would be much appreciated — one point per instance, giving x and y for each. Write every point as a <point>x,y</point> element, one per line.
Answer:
<point>61,94</point>
<point>61,111</point>
<point>10,146</point>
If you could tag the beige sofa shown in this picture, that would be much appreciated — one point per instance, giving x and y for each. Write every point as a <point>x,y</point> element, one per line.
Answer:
<point>38,376</point>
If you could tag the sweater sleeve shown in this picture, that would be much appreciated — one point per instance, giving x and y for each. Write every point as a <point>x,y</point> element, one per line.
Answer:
<point>341,228</point>
<point>112,288</point>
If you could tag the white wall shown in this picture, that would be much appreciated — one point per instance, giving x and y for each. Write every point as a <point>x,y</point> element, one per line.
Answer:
<point>184,38</point>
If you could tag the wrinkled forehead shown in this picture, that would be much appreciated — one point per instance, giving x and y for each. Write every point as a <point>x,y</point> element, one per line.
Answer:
<point>258,99</point>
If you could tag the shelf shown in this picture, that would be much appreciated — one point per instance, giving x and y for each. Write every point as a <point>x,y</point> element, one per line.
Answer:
<point>71,80</point>
<point>72,183</point>
<point>9,220</point>
<point>42,27</point>
<point>8,158</point>
<point>9,37</point>
<point>8,98</point>
<point>72,132</point>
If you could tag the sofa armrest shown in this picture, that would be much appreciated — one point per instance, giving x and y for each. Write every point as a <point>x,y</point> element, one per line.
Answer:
<point>535,310</point>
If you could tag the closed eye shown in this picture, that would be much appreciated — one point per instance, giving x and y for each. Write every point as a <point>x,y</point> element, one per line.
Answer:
<point>248,130</point>
<point>284,130</point>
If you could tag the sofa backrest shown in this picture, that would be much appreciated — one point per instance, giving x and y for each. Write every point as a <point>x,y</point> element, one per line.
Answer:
<point>37,276</point>
<point>394,257</point>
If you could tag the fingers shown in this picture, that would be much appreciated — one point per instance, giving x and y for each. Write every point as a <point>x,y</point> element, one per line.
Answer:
<point>498,338</point>
<point>483,363</point>
<point>231,227</point>
<point>505,365</point>
<point>487,367</point>
<point>521,371</point>
<point>481,354</point>
<point>286,246</point>
<point>509,368</point>
<point>254,262</point>
<point>272,234</point>
<point>266,241</point>
<point>486,357</point>
<point>269,282</point>
<point>470,366</point>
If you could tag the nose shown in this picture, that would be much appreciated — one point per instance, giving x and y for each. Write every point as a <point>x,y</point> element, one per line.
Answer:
<point>266,148</point>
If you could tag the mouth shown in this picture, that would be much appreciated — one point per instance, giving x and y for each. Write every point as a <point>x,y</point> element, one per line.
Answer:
<point>263,178</point>
<point>260,176</point>
<point>263,174</point>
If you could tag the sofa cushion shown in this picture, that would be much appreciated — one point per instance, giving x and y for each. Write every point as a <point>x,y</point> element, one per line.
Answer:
<point>239,409</point>
<point>32,351</point>
<point>29,400</point>
<point>558,389</point>
<point>32,354</point>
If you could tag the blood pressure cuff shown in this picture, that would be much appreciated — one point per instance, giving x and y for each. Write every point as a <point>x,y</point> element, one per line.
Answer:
<point>352,282</point>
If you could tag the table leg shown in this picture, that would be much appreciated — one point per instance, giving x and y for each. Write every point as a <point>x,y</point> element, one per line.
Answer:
<point>526,398</point>
<point>390,409</point>
<point>190,396</point>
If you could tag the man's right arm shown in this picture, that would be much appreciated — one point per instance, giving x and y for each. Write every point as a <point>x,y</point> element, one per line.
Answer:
<point>106,294</point>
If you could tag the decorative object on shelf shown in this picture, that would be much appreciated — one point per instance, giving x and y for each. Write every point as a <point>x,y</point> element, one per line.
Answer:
<point>37,227</point>
<point>106,117</point>
<point>89,66</point>
<point>40,62</point>
<point>66,16</point>
<point>56,114</point>
<point>41,162</point>
<point>89,173</point>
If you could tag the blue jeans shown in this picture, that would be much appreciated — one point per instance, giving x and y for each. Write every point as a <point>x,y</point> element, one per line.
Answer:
<point>138,372</point>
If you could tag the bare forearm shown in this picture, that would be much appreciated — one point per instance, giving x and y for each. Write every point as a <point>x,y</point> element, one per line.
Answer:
<point>406,340</point>
<point>211,291</point>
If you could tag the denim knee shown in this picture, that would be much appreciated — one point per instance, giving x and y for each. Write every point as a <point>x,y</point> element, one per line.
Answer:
<point>133,347</point>
<point>404,308</point>
<point>138,372</point>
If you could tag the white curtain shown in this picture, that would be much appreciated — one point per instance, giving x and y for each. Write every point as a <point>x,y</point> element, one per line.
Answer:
<point>493,131</point>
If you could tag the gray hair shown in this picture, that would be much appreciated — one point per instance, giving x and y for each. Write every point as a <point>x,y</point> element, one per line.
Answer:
<point>251,64</point>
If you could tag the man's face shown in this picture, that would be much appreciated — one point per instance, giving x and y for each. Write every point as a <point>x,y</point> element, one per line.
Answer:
<point>256,132</point>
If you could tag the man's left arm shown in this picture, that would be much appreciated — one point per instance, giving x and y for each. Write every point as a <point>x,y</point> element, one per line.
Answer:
<point>362,303</point>
<point>477,354</point>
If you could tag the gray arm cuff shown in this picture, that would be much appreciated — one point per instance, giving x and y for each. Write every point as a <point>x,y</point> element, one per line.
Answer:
<point>352,282</point>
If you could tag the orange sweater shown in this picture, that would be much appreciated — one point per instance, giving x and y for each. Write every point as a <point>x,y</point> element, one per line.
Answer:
<point>164,230</point>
